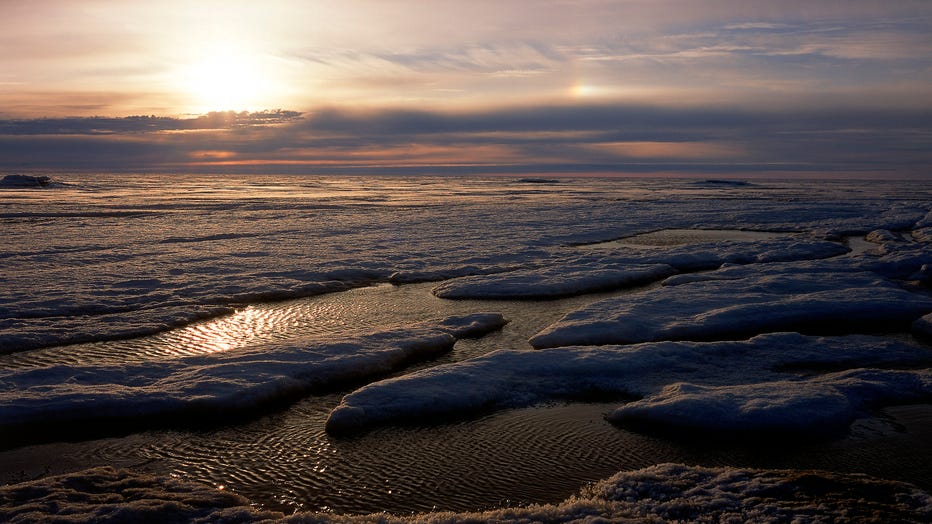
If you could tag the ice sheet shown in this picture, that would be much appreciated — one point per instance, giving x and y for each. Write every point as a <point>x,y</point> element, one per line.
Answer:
<point>218,384</point>
<point>739,301</point>
<point>520,378</point>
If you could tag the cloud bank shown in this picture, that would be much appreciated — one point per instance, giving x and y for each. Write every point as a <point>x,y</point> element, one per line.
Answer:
<point>597,138</point>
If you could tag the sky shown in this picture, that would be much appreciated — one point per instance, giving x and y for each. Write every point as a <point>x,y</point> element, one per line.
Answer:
<point>712,87</point>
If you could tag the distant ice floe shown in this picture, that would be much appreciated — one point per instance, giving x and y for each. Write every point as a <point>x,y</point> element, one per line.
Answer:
<point>710,255</point>
<point>24,181</point>
<point>220,383</point>
<point>532,180</point>
<point>550,283</point>
<point>589,272</point>
<point>723,183</point>
<point>507,379</point>
<point>661,493</point>
<point>740,301</point>
<point>456,271</point>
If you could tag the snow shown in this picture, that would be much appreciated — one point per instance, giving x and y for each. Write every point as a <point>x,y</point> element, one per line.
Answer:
<point>880,236</point>
<point>923,235</point>
<point>739,301</point>
<point>661,493</point>
<point>824,405</point>
<point>109,495</point>
<point>550,283</point>
<point>221,383</point>
<point>899,260</point>
<point>923,326</point>
<point>711,255</point>
<point>601,269</point>
<point>21,334</point>
<point>509,378</point>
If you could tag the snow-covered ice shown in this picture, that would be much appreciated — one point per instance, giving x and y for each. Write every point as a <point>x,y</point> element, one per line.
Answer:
<point>550,283</point>
<point>567,274</point>
<point>923,326</point>
<point>521,378</point>
<point>740,301</point>
<point>661,493</point>
<point>226,382</point>
<point>824,405</point>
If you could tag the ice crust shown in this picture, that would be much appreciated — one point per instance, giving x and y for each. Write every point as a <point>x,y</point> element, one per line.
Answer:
<point>602,271</point>
<point>506,379</point>
<point>226,382</point>
<point>823,405</point>
<point>923,327</point>
<point>550,283</point>
<point>738,301</point>
<point>661,493</point>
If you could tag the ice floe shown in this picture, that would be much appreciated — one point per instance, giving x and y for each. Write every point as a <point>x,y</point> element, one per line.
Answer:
<point>564,274</point>
<point>521,378</point>
<point>818,406</point>
<point>923,327</point>
<point>739,301</point>
<point>19,181</point>
<point>550,283</point>
<point>222,383</point>
<point>724,183</point>
<point>661,493</point>
<point>21,334</point>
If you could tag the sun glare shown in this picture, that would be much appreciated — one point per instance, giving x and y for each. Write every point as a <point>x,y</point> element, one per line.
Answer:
<point>224,77</point>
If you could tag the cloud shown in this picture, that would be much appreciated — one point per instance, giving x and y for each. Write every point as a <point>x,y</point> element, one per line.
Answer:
<point>143,123</point>
<point>580,138</point>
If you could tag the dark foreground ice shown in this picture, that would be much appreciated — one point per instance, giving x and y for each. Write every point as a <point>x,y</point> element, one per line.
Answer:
<point>662,493</point>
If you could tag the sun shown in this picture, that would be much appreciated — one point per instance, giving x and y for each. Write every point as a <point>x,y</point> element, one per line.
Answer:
<point>225,77</point>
